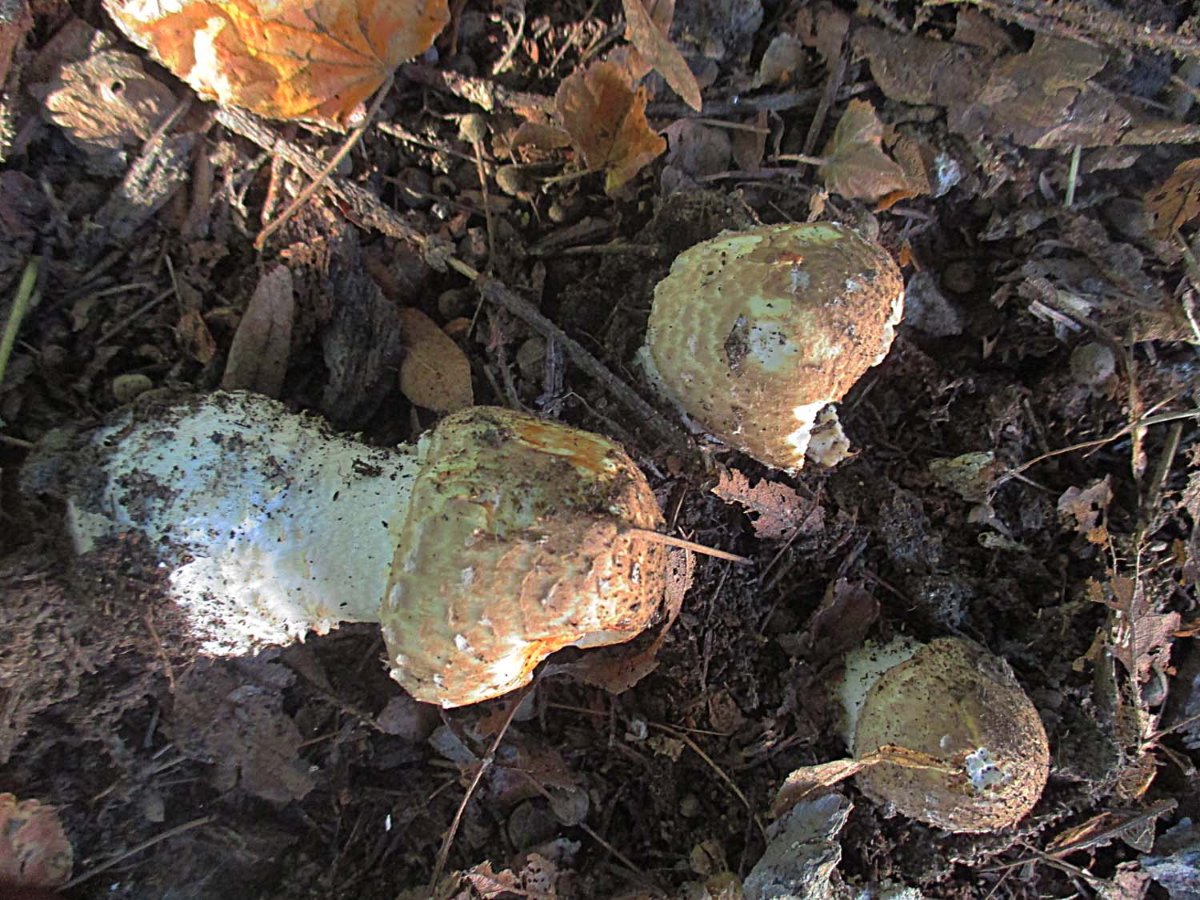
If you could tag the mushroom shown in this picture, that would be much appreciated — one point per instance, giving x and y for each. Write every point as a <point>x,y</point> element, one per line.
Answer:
<point>955,740</point>
<point>755,334</point>
<point>495,541</point>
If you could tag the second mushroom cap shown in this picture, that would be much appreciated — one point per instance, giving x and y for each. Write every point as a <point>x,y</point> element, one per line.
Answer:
<point>754,334</point>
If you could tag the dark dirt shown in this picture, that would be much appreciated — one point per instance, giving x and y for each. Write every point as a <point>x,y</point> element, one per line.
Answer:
<point>306,772</point>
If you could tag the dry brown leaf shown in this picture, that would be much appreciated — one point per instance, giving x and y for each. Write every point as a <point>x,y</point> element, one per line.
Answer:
<point>749,146</point>
<point>856,166</point>
<point>435,374</point>
<point>194,336</point>
<point>1139,632</point>
<point>648,34</point>
<point>34,850</point>
<point>806,780</point>
<point>1176,201</point>
<point>618,668</point>
<point>1086,506</point>
<point>606,118</point>
<point>316,60</point>
<point>258,357</point>
<point>779,510</point>
<point>846,614</point>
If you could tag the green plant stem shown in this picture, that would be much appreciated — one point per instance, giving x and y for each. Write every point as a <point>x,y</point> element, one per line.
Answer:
<point>20,306</point>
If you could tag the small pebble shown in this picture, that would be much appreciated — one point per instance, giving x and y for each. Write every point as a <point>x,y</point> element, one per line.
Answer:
<point>1093,364</point>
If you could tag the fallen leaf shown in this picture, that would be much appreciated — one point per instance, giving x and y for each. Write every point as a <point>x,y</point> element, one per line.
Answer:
<point>807,780</point>
<point>779,510</point>
<point>258,357</point>
<point>824,28</point>
<point>1086,506</point>
<point>34,850</point>
<point>435,374</point>
<point>782,62</point>
<point>650,39</point>
<point>1176,201</point>
<point>230,713</point>
<point>316,60</point>
<point>1139,633</point>
<point>970,475</point>
<point>618,668</point>
<point>856,166</point>
<point>194,336</point>
<point>846,614</point>
<point>749,145</point>
<point>606,118</point>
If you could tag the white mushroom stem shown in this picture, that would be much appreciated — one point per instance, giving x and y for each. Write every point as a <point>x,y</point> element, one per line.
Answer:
<point>498,540</point>
<point>272,524</point>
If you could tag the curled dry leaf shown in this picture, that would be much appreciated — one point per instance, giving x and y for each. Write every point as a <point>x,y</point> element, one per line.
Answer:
<point>34,850</point>
<point>435,374</point>
<point>606,118</point>
<point>647,31</point>
<point>316,60</point>
<point>856,166</point>
<point>779,510</point>
<point>1087,506</point>
<point>258,357</point>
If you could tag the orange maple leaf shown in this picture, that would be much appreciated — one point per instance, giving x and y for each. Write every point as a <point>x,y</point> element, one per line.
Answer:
<point>316,60</point>
<point>606,118</point>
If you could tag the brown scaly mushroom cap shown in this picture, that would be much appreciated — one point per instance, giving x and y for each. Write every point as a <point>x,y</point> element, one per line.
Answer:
<point>955,701</point>
<point>517,543</point>
<point>754,334</point>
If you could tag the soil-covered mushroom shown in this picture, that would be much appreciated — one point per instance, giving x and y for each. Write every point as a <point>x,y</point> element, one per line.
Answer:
<point>980,755</point>
<point>496,540</point>
<point>755,334</point>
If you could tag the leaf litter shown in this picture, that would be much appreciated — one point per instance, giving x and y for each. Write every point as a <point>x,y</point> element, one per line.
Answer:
<point>997,488</point>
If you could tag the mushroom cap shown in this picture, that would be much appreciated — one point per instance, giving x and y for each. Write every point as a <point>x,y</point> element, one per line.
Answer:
<point>955,701</point>
<point>517,543</point>
<point>754,332</point>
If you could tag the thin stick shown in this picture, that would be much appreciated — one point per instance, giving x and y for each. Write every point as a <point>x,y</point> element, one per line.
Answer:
<point>1144,421</point>
<point>484,764</point>
<point>658,537</point>
<point>374,214</point>
<point>1073,176</point>
<point>138,848</point>
<point>737,792</point>
<point>20,306</point>
<point>315,185</point>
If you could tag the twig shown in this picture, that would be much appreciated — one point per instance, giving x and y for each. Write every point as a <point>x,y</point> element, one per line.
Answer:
<point>16,314</point>
<point>1073,176</point>
<point>137,848</point>
<point>658,537</point>
<point>496,292</point>
<point>484,764</point>
<point>737,792</point>
<point>1144,421</point>
<point>315,184</point>
<point>373,214</point>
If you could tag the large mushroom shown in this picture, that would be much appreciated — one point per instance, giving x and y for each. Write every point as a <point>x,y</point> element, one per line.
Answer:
<point>495,541</point>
